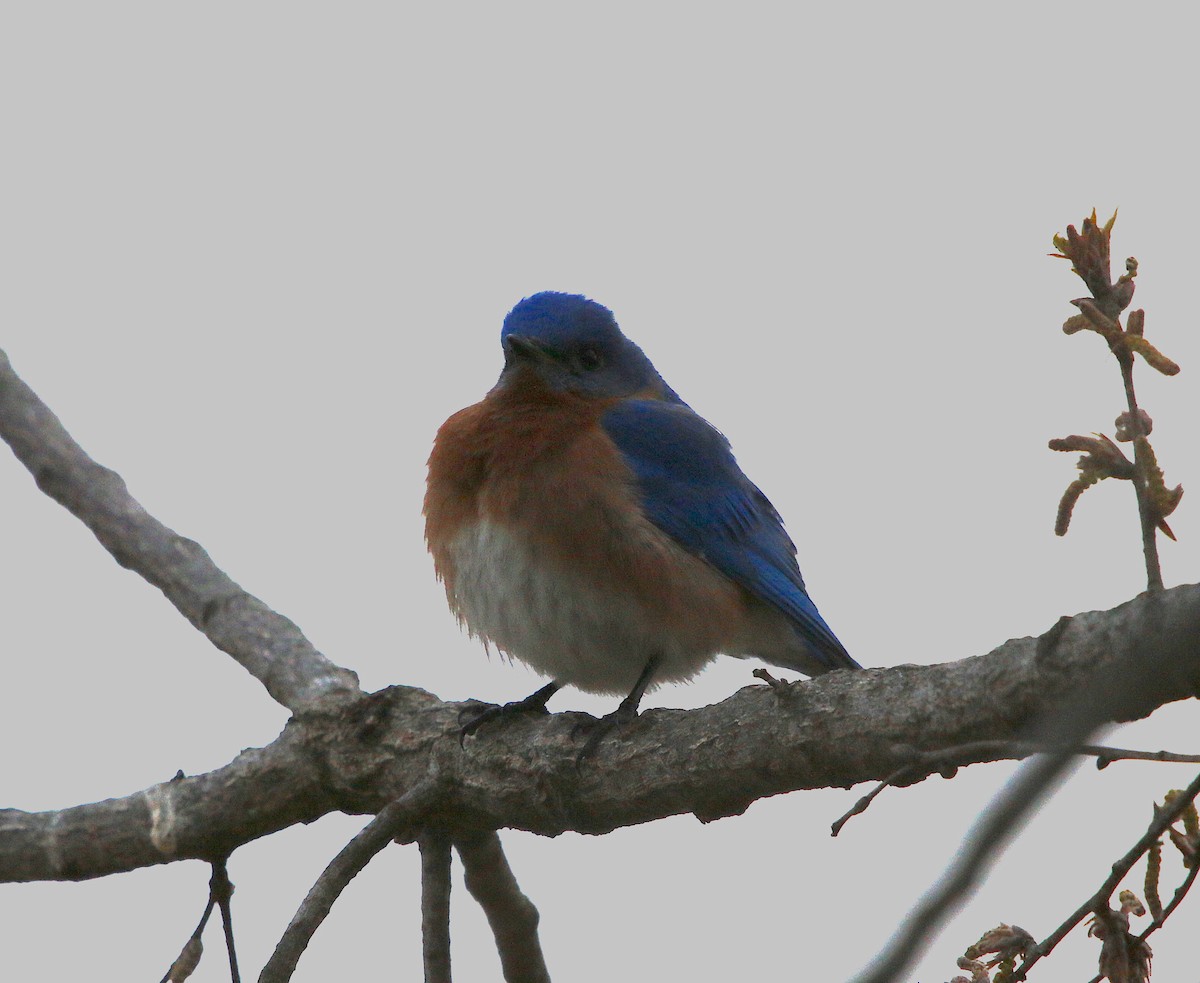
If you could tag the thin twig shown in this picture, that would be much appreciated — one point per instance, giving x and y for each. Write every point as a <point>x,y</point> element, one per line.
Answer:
<point>354,856</point>
<point>925,763</point>
<point>511,915</point>
<point>189,956</point>
<point>435,905</point>
<point>982,843</point>
<point>1141,487</point>
<point>265,643</point>
<point>221,888</point>
<point>1163,818</point>
<point>1090,254</point>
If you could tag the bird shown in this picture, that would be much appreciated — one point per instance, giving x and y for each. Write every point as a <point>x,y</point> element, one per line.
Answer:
<point>587,522</point>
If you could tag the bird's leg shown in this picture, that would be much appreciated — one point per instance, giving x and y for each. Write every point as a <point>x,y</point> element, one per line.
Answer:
<point>533,703</point>
<point>623,714</point>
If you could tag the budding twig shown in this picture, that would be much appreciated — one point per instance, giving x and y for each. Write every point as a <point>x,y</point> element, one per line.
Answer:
<point>1088,251</point>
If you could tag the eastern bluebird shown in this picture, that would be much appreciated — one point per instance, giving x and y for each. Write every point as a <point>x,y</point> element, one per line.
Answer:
<point>585,520</point>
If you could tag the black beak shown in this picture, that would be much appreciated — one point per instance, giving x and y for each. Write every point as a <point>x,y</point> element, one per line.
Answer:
<point>520,347</point>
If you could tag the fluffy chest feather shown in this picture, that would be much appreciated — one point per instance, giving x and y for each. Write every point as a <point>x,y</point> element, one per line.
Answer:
<point>535,527</point>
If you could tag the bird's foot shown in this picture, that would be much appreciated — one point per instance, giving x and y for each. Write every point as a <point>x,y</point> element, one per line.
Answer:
<point>626,712</point>
<point>533,703</point>
<point>598,728</point>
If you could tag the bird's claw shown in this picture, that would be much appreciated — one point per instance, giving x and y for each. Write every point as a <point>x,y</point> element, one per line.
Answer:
<point>531,704</point>
<point>597,728</point>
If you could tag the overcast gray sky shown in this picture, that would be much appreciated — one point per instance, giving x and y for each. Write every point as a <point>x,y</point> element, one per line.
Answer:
<point>255,254</point>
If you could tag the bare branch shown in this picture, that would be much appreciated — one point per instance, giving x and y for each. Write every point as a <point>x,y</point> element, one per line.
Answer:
<point>512,916</point>
<point>269,646</point>
<point>392,820</point>
<point>435,905</point>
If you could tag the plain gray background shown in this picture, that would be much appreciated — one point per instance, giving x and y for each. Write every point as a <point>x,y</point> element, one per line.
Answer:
<point>254,254</point>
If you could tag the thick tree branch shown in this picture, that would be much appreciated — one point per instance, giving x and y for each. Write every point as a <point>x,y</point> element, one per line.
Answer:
<point>269,646</point>
<point>837,730</point>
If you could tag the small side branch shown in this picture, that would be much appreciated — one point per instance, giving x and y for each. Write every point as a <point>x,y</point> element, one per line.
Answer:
<point>220,888</point>
<point>948,760</point>
<point>189,958</point>
<point>269,646</point>
<point>392,820</point>
<point>1180,894</point>
<point>1164,818</point>
<point>1142,457</point>
<point>512,916</point>
<point>435,905</point>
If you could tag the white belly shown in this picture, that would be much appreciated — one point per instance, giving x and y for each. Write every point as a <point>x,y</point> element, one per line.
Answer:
<point>576,631</point>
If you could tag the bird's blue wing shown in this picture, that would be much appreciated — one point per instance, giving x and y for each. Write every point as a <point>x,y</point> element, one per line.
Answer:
<point>692,488</point>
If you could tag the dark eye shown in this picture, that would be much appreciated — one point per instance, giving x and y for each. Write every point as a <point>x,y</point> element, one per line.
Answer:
<point>590,359</point>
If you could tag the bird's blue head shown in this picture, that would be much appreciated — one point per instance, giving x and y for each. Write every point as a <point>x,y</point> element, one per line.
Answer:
<point>574,344</point>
